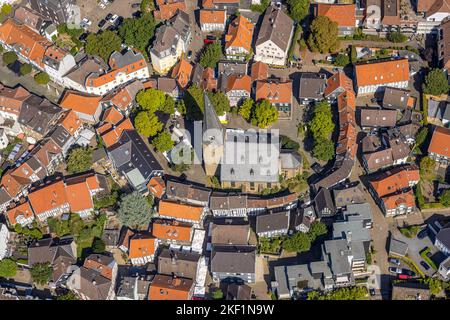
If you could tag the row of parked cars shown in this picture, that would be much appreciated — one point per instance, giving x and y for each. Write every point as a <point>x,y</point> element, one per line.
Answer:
<point>401,273</point>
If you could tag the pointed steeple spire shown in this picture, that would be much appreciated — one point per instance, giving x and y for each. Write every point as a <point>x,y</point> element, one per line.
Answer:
<point>211,123</point>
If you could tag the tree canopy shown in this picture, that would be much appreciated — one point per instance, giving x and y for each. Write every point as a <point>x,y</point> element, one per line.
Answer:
<point>342,60</point>
<point>8,268</point>
<point>25,69</point>
<point>323,149</point>
<point>168,106</point>
<point>211,55</point>
<point>9,57</point>
<point>41,273</point>
<point>445,198</point>
<point>264,114</point>
<point>147,124</point>
<point>79,160</point>
<point>42,78</point>
<point>298,9</point>
<point>103,44</point>
<point>299,242</point>
<point>163,142</point>
<point>151,99</point>
<point>427,166</point>
<point>134,210</point>
<point>220,102</point>
<point>68,296</point>
<point>324,35</point>
<point>321,125</point>
<point>436,82</point>
<point>98,245</point>
<point>246,109</point>
<point>396,37</point>
<point>353,293</point>
<point>317,229</point>
<point>137,33</point>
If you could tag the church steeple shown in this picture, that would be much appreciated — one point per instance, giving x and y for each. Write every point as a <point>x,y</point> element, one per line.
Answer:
<point>212,138</point>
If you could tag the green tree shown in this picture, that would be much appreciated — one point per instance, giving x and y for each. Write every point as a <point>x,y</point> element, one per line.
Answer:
<point>299,242</point>
<point>41,273</point>
<point>353,54</point>
<point>324,35</point>
<point>427,166</point>
<point>137,33</point>
<point>421,136</point>
<point>264,114</point>
<point>217,294</point>
<point>397,37</point>
<point>163,142</point>
<point>445,198</point>
<point>211,55</point>
<point>434,284</point>
<point>298,9</point>
<point>181,107</point>
<point>220,102</point>
<point>134,210</point>
<point>103,44</point>
<point>98,246</point>
<point>342,60</point>
<point>260,7</point>
<point>8,268</point>
<point>25,69</point>
<point>147,6</point>
<point>151,100</point>
<point>321,125</point>
<point>193,100</point>
<point>68,296</point>
<point>245,110</point>
<point>79,160</point>
<point>323,149</point>
<point>317,229</point>
<point>168,106</point>
<point>353,293</point>
<point>436,82</point>
<point>42,78</point>
<point>6,9</point>
<point>147,124</point>
<point>9,57</point>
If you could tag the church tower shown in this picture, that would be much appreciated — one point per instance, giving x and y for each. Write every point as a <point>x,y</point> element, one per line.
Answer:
<point>213,142</point>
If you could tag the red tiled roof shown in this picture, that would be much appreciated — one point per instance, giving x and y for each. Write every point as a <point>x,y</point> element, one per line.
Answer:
<point>23,210</point>
<point>383,72</point>
<point>440,142</point>
<point>48,197</point>
<point>342,14</point>
<point>81,103</point>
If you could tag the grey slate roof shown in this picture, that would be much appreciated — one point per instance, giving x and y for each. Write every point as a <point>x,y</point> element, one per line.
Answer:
<point>395,98</point>
<point>372,117</point>
<point>290,159</point>
<point>211,124</point>
<point>353,231</point>
<point>175,29</point>
<point>272,222</point>
<point>337,255</point>
<point>348,196</point>
<point>131,152</point>
<point>121,60</point>
<point>230,231</point>
<point>238,292</point>
<point>312,85</point>
<point>179,264</point>
<point>255,164</point>
<point>38,114</point>
<point>397,247</point>
<point>233,259</point>
<point>444,236</point>
<point>186,192</point>
<point>323,200</point>
<point>360,211</point>
<point>226,67</point>
<point>111,237</point>
<point>225,201</point>
<point>304,216</point>
<point>126,287</point>
<point>93,285</point>
<point>277,27</point>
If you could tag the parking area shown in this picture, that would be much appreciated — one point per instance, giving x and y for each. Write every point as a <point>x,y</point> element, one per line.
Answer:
<point>95,13</point>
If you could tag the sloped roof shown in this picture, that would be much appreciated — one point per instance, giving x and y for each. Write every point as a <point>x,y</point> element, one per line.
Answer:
<point>343,14</point>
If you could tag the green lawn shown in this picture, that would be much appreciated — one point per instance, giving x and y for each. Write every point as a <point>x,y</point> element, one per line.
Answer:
<point>410,231</point>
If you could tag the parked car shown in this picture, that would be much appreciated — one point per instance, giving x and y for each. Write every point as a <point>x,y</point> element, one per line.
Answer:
<point>137,14</point>
<point>83,36</point>
<point>113,18</point>
<point>423,233</point>
<point>408,272</point>
<point>101,23</point>
<point>394,261</point>
<point>189,55</point>
<point>372,291</point>
<point>119,21</point>
<point>112,28</point>
<point>108,16</point>
<point>404,277</point>
<point>424,265</point>
<point>316,167</point>
<point>395,270</point>
<point>136,5</point>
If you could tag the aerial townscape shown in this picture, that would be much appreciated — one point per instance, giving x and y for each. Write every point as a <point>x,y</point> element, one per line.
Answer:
<point>224,150</point>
